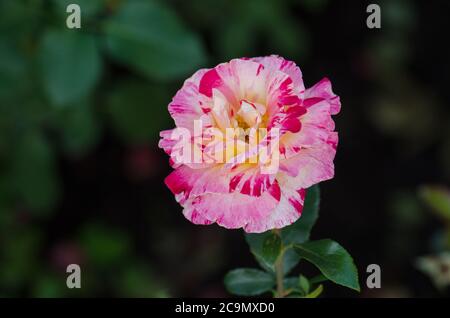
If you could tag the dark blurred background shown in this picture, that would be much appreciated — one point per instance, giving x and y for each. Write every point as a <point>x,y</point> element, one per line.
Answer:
<point>81,176</point>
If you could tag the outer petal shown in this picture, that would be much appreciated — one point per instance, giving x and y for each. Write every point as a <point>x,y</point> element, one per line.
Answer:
<point>288,210</point>
<point>174,145</point>
<point>287,120</point>
<point>316,124</point>
<point>166,142</point>
<point>237,210</point>
<point>251,181</point>
<point>188,105</point>
<point>323,91</point>
<point>312,165</point>
<point>316,127</point>
<point>237,80</point>
<point>277,63</point>
<point>186,182</point>
<point>193,215</point>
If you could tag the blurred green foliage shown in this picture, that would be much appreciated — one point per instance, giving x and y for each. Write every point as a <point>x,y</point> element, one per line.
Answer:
<point>149,38</point>
<point>141,120</point>
<point>59,90</point>
<point>438,198</point>
<point>435,265</point>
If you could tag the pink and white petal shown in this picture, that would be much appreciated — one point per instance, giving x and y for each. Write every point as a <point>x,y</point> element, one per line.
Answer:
<point>322,91</point>
<point>180,146</point>
<point>236,209</point>
<point>288,210</point>
<point>279,92</point>
<point>284,104</point>
<point>314,131</point>
<point>221,110</point>
<point>287,120</point>
<point>319,115</point>
<point>311,165</point>
<point>250,180</point>
<point>188,105</point>
<point>316,127</point>
<point>292,143</point>
<point>186,182</point>
<point>333,140</point>
<point>277,63</point>
<point>209,81</point>
<point>193,215</point>
<point>167,142</point>
<point>249,80</point>
<point>237,80</point>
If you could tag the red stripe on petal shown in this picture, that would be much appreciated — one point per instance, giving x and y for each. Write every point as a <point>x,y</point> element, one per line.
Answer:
<point>285,85</point>
<point>296,204</point>
<point>260,68</point>
<point>246,187</point>
<point>311,101</point>
<point>296,111</point>
<point>302,193</point>
<point>290,100</point>
<point>210,80</point>
<point>292,125</point>
<point>275,191</point>
<point>235,181</point>
<point>177,184</point>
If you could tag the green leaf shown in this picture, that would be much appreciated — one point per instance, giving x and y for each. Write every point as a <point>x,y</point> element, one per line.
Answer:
<point>300,231</point>
<point>33,172</point>
<point>333,261</point>
<point>150,39</point>
<point>297,285</point>
<point>291,283</point>
<point>138,111</point>
<point>248,282</point>
<point>13,71</point>
<point>88,8</point>
<point>21,18</point>
<point>290,260</point>
<point>315,293</point>
<point>49,286</point>
<point>104,247</point>
<point>20,254</point>
<point>303,284</point>
<point>271,248</point>
<point>438,198</point>
<point>137,280</point>
<point>256,244</point>
<point>70,65</point>
<point>255,241</point>
<point>296,233</point>
<point>78,128</point>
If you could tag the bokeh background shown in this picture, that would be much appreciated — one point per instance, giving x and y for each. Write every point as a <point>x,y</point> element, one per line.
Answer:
<point>81,177</point>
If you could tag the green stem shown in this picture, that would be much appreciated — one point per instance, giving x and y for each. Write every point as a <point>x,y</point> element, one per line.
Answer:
<point>279,270</point>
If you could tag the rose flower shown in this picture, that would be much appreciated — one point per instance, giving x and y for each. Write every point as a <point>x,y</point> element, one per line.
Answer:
<point>282,141</point>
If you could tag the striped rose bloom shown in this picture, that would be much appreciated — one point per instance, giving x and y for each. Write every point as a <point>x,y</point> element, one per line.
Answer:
<point>238,181</point>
